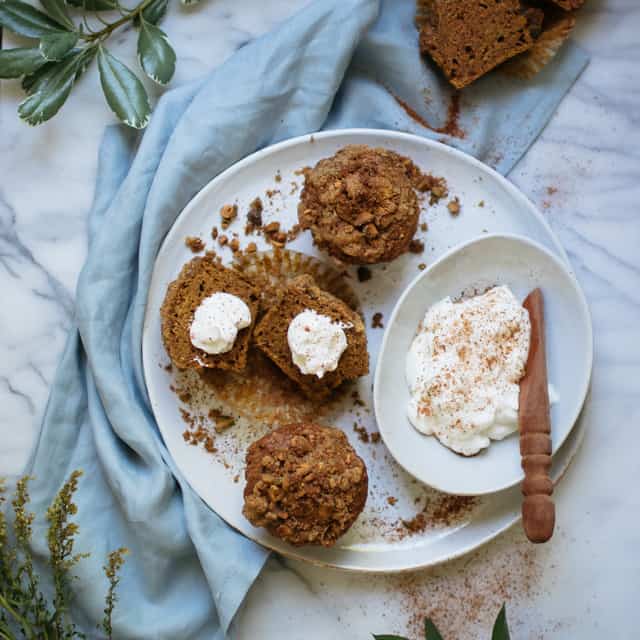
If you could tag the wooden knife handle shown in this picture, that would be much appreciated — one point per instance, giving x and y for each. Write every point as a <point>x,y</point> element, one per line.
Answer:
<point>538,509</point>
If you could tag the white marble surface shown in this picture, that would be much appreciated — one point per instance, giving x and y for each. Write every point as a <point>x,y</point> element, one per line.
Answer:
<point>586,582</point>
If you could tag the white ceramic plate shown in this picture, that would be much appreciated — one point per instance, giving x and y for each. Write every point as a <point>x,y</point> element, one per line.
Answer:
<point>491,260</point>
<point>490,204</point>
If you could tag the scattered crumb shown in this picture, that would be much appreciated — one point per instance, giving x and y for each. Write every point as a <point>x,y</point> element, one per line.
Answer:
<point>422,266</point>
<point>357,400</point>
<point>272,227</point>
<point>221,422</point>
<point>222,240</point>
<point>194,243</point>
<point>363,434</point>
<point>375,437</point>
<point>424,226</point>
<point>417,524</point>
<point>214,233</point>
<point>392,500</point>
<point>376,321</point>
<point>168,367</point>
<point>454,206</point>
<point>416,246</point>
<point>236,478</point>
<point>251,247</point>
<point>546,204</point>
<point>552,190</point>
<point>228,213</point>
<point>438,191</point>
<point>278,177</point>
<point>234,244</point>
<point>481,203</point>
<point>254,216</point>
<point>364,274</point>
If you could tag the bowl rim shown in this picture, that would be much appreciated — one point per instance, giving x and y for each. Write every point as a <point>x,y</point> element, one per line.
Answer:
<point>583,310</point>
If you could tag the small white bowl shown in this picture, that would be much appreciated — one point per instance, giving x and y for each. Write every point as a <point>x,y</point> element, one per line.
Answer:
<point>490,260</point>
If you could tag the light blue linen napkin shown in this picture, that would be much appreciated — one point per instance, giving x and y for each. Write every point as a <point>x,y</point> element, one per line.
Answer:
<point>188,572</point>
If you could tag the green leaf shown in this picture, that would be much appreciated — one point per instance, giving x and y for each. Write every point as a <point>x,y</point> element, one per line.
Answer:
<point>500,628</point>
<point>156,55</point>
<point>25,20</point>
<point>15,63</point>
<point>30,82</point>
<point>53,86</point>
<point>56,45</point>
<point>93,5</point>
<point>125,94</point>
<point>431,631</point>
<point>57,10</point>
<point>155,11</point>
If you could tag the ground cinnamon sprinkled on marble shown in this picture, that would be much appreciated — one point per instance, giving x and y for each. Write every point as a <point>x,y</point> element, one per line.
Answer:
<point>194,243</point>
<point>416,246</point>
<point>464,596</point>
<point>376,321</point>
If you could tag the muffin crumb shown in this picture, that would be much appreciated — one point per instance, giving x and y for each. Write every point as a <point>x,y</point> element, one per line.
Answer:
<point>194,243</point>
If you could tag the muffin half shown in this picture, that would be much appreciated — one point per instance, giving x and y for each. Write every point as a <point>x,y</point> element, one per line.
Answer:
<point>273,337</point>
<point>198,280</point>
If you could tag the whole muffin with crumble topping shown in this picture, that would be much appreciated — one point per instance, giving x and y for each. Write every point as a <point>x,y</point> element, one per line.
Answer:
<point>305,484</point>
<point>360,204</point>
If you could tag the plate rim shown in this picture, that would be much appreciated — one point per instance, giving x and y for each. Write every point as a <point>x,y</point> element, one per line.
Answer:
<point>584,310</point>
<point>390,136</point>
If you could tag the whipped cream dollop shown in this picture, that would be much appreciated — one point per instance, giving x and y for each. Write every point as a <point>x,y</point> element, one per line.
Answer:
<point>216,322</point>
<point>316,342</point>
<point>463,370</point>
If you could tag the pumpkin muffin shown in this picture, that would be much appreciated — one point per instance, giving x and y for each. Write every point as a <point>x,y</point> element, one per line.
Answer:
<point>305,484</point>
<point>271,336</point>
<point>360,204</point>
<point>200,278</point>
<point>468,39</point>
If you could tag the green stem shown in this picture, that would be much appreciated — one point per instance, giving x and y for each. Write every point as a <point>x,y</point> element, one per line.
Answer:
<point>103,34</point>
<point>17,617</point>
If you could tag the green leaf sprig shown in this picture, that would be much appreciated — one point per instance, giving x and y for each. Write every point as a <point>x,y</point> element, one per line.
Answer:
<point>500,630</point>
<point>62,51</point>
<point>25,612</point>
